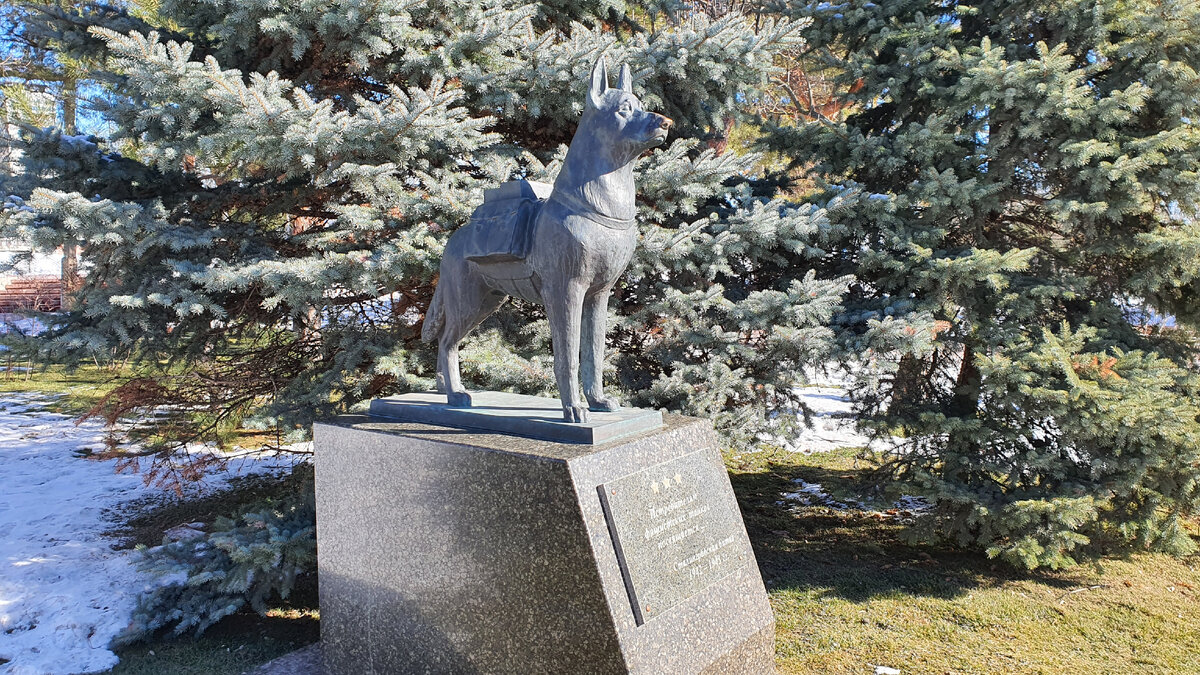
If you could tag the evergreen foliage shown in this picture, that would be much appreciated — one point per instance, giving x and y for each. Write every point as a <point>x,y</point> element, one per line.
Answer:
<point>269,213</point>
<point>1002,225</point>
<point>248,558</point>
<point>1022,176</point>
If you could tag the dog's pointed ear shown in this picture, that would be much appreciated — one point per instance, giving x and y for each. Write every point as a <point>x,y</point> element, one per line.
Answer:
<point>625,81</point>
<point>599,83</point>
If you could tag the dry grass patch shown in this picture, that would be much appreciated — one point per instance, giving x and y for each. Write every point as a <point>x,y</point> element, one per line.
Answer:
<point>78,390</point>
<point>849,593</point>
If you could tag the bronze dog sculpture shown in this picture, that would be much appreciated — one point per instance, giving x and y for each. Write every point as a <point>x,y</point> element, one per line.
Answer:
<point>563,248</point>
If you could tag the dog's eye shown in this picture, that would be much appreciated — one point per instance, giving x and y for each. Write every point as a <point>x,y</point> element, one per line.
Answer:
<point>625,110</point>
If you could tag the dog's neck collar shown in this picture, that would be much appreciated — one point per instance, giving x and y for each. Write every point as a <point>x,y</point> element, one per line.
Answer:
<point>577,207</point>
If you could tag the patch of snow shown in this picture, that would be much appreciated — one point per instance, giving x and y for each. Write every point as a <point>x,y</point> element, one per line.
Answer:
<point>885,670</point>
<point>812,494</point>
<point>833,422</point>
<point>65,592</point>
<point>905,510</point>
<point>913,504</point>
<point>833,425</point>
<point>20,323</point>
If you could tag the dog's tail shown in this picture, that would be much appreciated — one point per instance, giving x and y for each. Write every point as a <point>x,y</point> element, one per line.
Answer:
<point>435,317</point>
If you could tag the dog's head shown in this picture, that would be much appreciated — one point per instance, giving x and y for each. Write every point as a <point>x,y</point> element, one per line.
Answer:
<point>615,116</point>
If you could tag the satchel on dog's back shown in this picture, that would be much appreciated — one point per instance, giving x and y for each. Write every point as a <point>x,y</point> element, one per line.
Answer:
<point>575,245</point>
<point>501,229</point>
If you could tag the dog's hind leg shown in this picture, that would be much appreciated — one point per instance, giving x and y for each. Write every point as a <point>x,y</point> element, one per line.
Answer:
<point>449,378</point>
<point>469,302</point>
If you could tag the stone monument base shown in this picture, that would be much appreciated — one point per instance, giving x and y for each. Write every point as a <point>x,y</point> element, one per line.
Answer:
<point>445,550</point>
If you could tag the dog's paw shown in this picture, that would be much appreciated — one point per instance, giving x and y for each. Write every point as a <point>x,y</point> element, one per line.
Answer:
<point>603,404</point>
<point>575,413</point>
<point>458,399</point>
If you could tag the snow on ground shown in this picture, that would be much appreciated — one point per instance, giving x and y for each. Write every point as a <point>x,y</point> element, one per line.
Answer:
<point>833,427</point>
<point>65,592</point>
<point>18,323</point>
<point>808,494</point>
<point>833,424</point>
<point>813,494</point>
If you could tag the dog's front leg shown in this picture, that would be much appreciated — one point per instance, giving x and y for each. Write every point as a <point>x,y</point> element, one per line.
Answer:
<point>564,308</point>
<point>591,363</point>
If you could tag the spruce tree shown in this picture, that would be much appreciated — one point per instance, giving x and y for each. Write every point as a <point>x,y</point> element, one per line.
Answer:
<point>1021,178</point>
<point>261,231</point>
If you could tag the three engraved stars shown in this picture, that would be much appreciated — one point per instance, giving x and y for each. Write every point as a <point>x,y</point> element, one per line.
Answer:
<point>666,483</point>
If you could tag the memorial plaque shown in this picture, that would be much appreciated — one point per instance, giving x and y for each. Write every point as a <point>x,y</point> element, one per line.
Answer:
<point>676,530</point>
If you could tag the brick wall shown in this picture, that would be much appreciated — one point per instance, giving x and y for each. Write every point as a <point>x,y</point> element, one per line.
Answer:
<point>42,293</point>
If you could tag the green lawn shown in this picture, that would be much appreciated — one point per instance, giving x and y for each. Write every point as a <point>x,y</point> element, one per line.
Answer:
<point>849,594</point>
<point>78,390</point>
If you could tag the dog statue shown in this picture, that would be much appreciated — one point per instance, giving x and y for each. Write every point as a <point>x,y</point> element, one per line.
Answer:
<point>563,248</point>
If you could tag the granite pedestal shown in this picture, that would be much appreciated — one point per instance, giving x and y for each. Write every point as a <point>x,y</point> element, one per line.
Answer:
<point>445,550</point>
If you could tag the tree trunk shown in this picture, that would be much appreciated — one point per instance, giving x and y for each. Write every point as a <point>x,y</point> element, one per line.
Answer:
<point>966,388</point>
<point>69,282</point>
<point>70,103</point>
<point>906,386</point>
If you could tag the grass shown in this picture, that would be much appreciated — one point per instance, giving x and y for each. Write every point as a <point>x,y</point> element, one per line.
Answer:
<point>78,390</point>
<point>849,593</point>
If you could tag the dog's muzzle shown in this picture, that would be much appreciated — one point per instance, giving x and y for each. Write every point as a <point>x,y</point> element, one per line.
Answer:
<point>663,124</point>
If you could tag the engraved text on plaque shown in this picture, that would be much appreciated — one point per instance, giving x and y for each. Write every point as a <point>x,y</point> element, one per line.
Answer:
<point>676,529</point>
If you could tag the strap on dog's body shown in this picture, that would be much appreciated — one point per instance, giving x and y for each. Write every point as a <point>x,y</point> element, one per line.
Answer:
<point>577,207</point>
